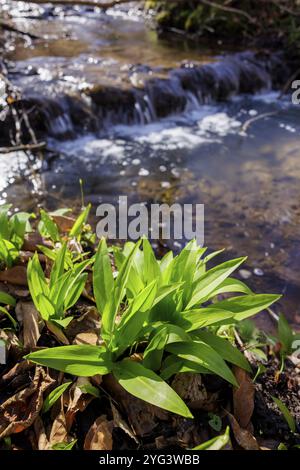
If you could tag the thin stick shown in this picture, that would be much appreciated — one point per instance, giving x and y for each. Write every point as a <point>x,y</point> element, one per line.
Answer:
<point>23,147</point>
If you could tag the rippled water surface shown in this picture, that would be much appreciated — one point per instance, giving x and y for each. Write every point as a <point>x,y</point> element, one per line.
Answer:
<point>241,158</point>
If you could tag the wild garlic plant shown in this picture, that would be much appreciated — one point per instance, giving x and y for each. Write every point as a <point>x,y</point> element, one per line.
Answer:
<point>12,232</point>
<point>53,297</point>
<point>163,311</point>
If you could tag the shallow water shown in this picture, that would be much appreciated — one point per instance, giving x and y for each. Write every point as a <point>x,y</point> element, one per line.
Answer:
<point>247,179</point>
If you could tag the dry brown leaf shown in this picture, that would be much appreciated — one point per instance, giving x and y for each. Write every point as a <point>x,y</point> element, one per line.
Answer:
<point>142,417</point>
<point>119,422</point>
<point>243,397</point>
<point>89,337</point>
<point>12,344</point>
<point>59,431</point>
<point>243,437</point>
<point>63,222</point>
<point>77,400</point>
<point>99,436</point>
<point>58,333</point>
<point>32,240</point>
<point>31,321</point>
<point>16,275</point>
<point>40,434</point>
<point>192,390</point>
<point>88,321</point>
<point>16,372</point>
<point>19,411</point>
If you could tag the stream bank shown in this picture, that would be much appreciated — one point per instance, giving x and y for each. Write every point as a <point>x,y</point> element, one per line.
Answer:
<point>164,125</point>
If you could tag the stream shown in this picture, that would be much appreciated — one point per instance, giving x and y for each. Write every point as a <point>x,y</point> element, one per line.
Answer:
<point>160,120</point>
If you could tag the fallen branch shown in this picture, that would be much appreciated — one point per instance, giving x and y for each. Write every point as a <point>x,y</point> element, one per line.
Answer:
<point>91,3</point>
<point>23,147</point>
<point>9,27</point>
<point>229,10</point>
<point>248,123</point>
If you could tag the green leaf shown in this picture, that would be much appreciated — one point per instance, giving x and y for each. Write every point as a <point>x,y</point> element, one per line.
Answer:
<point>48,228</point>
<point>216,443</point>
<point>64,445</point>
<point>230,285</point>
<point>285,335</point>
<point>54,396</point>
<point>151,269</point>
<point>148,386</point>
<point>7,299</point>
<point>211,280</point>
<point>205,356</point>
<point>246,305</point>
<point>200,318</point>
<point>173,365</point>
<point>82,360</point>
<point>13,321</point>
<point>8,252</point>
<point>103,280</point>
<point>80,221</point>
<point>287,415</point>
<point>223,347</point>
<point>112,307</point>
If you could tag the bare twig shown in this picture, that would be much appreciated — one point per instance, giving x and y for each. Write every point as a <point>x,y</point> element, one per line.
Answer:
<point>248,123</point>
<point>229,10</point>
<point>92,3</point>
<point>23,147</point>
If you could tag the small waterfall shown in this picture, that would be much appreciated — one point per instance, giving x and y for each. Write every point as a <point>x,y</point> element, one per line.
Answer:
<point>184,88</point>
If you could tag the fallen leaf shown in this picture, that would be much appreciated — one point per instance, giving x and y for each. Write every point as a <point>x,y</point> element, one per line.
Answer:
<point>16,275</point>
<point>119,422</point>
<point>40,434</point>
<point>59,431</point>
<point>31,321</point>
<point>88,321</point>
<point>243,397</point>
<point>64,223</point>
<point>33,240</point>
<point>19,411</point>
<point>58,333</point>
<point>192,390</point>
<point>243,437</point>
<point>99,436</point>
<point>88,337</point>
<point>77,400</point>
<point>142,417</point>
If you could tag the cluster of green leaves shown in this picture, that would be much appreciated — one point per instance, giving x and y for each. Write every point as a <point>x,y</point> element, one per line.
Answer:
<point>50,230</point>
<point>54,297</point>
<point>165,310</point>
<point>7,300</point>
<point>12,232</point>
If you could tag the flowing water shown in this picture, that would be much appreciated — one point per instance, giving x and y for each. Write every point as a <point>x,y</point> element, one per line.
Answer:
<point>160,121</point>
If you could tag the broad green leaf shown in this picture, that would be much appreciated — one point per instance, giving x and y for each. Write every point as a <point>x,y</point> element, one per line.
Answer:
<point>148,386</point>
<point>112,307</point>
<point>223,347</point>
<point>8,252</point>
<point>103,280</point>
<point>37,282</point>
<point>13,321</point>
<point>216,443</point>
<point>246,305</point>
<point>165,334</point>
<point>151,267</point>
<point>58,267</point>
<point>54,396</point>
<point>46,308</point>
<point>81,360</point>
<point>211,280</point>
<point>285,335</point>
<point>287,415</point>
<point>7,299</point>
<point>173,365</point>
<point>48,228</point>
<point>195,319</point>
<point>230,285</point>
<point>81,220</point>
<point>205,356</point>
